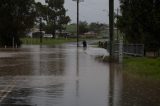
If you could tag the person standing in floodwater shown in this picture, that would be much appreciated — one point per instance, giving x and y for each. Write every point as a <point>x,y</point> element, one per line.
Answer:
<point>84,44</point>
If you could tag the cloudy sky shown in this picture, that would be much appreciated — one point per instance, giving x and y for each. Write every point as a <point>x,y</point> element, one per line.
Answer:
<point>90,10</point>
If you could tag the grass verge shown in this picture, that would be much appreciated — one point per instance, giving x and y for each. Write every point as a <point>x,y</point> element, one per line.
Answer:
<point>143,67</point>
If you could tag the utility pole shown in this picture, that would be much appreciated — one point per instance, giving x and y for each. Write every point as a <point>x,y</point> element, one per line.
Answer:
<point>117,25</point>
<point>77,23</point>
<point>78,1</point>
<point>111,25</point>
<point>13,42</point>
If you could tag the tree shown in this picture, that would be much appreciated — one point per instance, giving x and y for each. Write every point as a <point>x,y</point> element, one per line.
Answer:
<point>54,14</point>
<point>140,22</point>
<point>83,27</point>
<point>16,17</point>
<point>72,28</point>
<point>97,27</point>
<point>62,20</point>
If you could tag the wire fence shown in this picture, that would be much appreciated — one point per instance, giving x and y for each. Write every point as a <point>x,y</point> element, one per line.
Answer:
<point>131,49</point>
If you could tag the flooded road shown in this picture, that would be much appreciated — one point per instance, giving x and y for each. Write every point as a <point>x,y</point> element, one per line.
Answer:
<point>66,76</point>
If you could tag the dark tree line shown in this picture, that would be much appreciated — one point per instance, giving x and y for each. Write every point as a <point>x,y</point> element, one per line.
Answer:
<point>94,27</point>
<point>140,22</point>
<point>17,17</point>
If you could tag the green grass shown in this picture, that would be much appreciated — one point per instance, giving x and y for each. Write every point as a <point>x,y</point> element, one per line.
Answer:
<point>143,67</point>
<point>48,41</point>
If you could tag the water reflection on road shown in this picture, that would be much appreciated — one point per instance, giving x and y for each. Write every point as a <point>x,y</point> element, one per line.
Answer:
<point>66,76</point>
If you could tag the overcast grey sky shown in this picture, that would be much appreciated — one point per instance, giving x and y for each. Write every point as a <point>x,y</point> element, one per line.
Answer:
<point>90,10</point>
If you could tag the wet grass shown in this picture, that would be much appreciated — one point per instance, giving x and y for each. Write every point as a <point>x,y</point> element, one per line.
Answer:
<point>143,67</point>
<point>51,41</point>
<point>46,41</point>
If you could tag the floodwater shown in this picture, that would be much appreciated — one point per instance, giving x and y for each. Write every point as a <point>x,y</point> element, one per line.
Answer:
<point>66,76</point>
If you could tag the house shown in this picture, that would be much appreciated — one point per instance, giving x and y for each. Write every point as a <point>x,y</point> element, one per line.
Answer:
<point>38,34</point>
<point>35,33</point>
<point>48,36</point>
<point>62,34</point>
<point>90,34</point>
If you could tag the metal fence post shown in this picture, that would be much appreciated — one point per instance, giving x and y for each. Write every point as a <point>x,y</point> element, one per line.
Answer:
<point>120,51</point>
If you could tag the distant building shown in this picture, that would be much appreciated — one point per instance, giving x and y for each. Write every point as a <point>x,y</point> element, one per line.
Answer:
<point>48,36</point>
<point>35,33</point>
<point>90,34</point>
<point>38,34</point>
<point>62,34</point>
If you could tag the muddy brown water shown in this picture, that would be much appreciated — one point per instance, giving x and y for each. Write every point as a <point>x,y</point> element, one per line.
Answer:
<point>66,76</point>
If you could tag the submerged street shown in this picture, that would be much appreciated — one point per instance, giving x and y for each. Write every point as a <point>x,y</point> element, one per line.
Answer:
<point>66,76</point>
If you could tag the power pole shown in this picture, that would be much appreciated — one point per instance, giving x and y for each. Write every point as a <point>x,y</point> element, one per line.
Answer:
<point>111,25</point>
<point>117,25</point>
<point>78,1</point>
<point>77,23</point>
<point>13,42</point>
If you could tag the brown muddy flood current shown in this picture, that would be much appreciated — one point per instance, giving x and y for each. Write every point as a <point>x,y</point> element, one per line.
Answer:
<point>66,76</point>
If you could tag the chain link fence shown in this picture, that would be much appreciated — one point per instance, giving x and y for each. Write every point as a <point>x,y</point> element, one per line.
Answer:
<point>131,49</point>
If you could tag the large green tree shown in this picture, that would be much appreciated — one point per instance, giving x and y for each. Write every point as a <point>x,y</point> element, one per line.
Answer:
<point>54,15</point>
<point>140,21</point>
<point>16,17</point>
